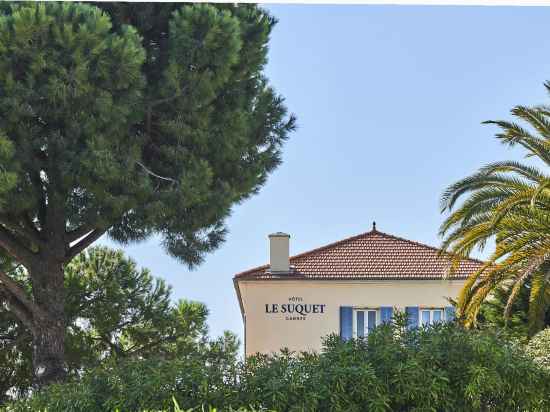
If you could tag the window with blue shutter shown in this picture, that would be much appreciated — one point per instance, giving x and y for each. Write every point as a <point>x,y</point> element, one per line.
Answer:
<point>412,316</point>
<point>450,313</point>
<point>386,313</point>
<point>346,322</point>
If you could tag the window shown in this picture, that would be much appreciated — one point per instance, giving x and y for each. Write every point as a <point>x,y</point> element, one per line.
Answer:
<point>364,320</point>
<point>431,316</point>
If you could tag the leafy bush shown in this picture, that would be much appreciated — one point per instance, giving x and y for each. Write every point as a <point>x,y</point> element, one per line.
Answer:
<point>113,311</point>
<point>205,377</point>
<point>440,368</point>
<point>443,368</point>
<point>539,348</point>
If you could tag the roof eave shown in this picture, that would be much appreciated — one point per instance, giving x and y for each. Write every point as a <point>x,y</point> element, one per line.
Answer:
<point>239,297</point>
<point>266,276</point>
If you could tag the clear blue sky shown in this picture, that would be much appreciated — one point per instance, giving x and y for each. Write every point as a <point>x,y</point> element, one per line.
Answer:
<point>389,102</point>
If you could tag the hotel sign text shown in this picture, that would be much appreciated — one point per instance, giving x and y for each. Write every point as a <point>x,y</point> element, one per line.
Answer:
<point>295,309</point>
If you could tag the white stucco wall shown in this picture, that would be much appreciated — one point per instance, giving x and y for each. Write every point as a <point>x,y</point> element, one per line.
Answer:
<point>268,332</point>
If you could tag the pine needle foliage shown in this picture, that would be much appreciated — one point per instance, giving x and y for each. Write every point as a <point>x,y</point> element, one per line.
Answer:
<point>114,312</point>
<point>141,118</point>
<point>125,119</point>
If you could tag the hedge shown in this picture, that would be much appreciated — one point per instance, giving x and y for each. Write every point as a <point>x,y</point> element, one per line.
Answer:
<point>439,368</point>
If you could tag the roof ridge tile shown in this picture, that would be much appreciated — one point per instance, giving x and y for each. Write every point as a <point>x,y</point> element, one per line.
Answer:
<point>398,256</point>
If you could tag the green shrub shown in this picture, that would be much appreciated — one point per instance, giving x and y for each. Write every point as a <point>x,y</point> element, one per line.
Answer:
<point>539,348</point>
<point>137,385</point>
<point>441,368</point>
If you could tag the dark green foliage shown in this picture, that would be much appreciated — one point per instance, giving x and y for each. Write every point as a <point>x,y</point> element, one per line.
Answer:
<point>70,91</point>
<point>126,119</point>
<point>441,368</point>
<point>114,311</point>
<point>206,375</point>
<point>141,118</point>
<point>15,355</point>
<point>517,326</point>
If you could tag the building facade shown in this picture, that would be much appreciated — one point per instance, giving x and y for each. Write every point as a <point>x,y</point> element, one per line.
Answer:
<point>347,287</point>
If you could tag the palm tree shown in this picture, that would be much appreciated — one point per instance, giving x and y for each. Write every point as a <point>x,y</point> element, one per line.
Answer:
<point>510,202</point>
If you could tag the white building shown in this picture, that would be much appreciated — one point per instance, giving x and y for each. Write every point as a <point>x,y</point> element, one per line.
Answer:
<point>347,287</point>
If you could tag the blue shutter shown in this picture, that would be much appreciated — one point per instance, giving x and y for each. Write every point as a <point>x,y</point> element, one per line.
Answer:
<point>371,315</point>
<point>386,313</point>
<point>360,324</point>
<point>450,313</point>
<point>346,322</point>
<point>412,316</point>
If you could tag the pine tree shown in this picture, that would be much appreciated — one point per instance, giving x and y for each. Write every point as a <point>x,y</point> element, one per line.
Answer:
<point>131,120</point>
<point>114,312</point>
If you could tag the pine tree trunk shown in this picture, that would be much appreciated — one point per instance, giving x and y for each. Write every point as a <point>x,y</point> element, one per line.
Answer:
<point>49,328</point>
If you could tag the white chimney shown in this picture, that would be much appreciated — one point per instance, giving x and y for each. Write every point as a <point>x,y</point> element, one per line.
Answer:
<point>279,252</point>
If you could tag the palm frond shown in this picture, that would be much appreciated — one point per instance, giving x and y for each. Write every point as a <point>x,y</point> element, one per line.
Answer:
<point>537,300</point>
<point>509,202</point>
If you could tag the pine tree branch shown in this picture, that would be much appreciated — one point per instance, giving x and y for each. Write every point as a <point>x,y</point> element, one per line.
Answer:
<point>117,349</point>
<point>15,248</point>
<point>32,236</point>
<point>150,172</point>
<point>164,100</point>
<point>84,243</point>
<point>137,350</point>
<point>20,311</point>
<point>18,292</point>
<point>77,233</point>
<point>168,99</point>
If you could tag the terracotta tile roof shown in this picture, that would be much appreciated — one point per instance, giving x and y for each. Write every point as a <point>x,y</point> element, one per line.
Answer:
<point>370,255</point>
